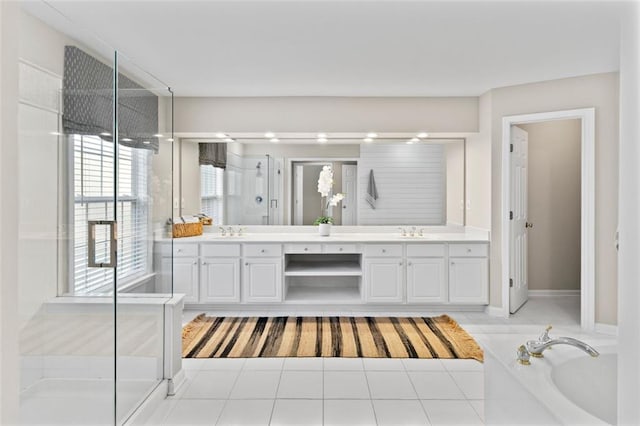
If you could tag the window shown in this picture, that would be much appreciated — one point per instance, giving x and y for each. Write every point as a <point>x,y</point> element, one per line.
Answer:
<point>211,193</point>
<point>94,200</point>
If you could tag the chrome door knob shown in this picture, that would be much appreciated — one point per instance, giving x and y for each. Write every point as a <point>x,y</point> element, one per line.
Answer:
<point>528,225</point>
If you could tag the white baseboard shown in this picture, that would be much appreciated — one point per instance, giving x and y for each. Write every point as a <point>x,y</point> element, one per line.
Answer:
<point>495,311</point>
<point>552,293</point>
<point>611,330</point>
<point>143,413</point>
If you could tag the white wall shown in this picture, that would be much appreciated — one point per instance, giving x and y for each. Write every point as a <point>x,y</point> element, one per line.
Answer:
<point>454,157</point>
<point>554,204</point>
<point>479,170</point>
<point>599,91</point>
<point>9,323</point>
<point>410,180</point>
<point>629,212</point>
<point>326,114</point>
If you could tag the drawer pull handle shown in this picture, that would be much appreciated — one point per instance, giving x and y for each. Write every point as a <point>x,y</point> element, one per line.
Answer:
<point>400,263</point>
<point>410,263</point>
<point>306,249</point>
<point>340,249</point>
<point>204,263</point>
<point>246,264</point>
<point>468,250</point>
<point>453,263</point>
<point>384,250</point>
<point>195,262</point>
<point>179,250</point>
<point>262,251</point>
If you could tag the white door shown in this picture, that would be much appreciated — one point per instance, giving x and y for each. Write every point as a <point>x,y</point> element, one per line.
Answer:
<point>518,284</point>
<point>349,188</point>
<point>468,280</point>
<point>384,280</point>
<point>262,280</point>
<point>220,280</point>
<point>185,278</point>
<point>298,194</point>
<point>426,280</point>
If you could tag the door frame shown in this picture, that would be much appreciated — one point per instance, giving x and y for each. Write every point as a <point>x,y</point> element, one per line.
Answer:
<point>587,205</point>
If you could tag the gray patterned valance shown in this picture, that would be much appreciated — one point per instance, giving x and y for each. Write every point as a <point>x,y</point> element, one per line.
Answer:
<point>213,154</point>
<point>88,102</point>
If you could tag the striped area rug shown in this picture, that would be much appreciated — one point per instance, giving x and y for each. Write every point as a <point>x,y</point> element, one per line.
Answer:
<point>349,337</point>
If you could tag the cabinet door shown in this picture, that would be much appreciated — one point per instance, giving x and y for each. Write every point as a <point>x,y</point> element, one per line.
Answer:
<point>185,278</point>
<point>426,280</point>
<point>219,280</point>
<point>468,280</point>
<point>262,280</point>
<point>384,280</point>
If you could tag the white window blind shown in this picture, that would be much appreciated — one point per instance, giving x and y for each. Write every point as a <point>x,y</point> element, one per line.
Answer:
<point>211,192</point>
<point>94,200</point>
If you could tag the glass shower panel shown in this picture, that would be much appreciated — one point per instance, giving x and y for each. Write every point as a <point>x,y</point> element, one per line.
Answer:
<point>144,205</point>
<point>67,209</point>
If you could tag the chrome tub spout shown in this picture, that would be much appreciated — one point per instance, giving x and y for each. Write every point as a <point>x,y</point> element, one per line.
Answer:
<point>536,347</point>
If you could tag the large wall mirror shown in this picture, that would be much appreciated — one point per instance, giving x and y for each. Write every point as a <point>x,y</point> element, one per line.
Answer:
<point>385,182</point>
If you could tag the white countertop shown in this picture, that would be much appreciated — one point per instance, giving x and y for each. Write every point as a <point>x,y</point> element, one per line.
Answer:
<point>467,235</point>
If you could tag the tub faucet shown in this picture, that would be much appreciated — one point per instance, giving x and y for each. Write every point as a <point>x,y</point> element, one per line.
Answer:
<point>536,347</point>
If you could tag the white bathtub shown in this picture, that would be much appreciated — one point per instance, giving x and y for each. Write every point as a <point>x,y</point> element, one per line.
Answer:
<point>567,386</point>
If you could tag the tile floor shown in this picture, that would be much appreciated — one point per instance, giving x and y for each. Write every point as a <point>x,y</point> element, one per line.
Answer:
<point>339,391</point>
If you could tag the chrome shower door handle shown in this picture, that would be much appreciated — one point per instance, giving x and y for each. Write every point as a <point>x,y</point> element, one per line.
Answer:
<point>113,244</point>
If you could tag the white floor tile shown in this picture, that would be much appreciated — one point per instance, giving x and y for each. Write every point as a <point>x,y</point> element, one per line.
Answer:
<point>343,364</point>
<point>478,405</point>
<point>462,365</point>
<point>256,385</point>
<point>451,413</point>
<point>348,413</point>
<point>223,364</point>
<point>435,385</point>
<point>255,412</point>
<point>303,364</point>
<point>263,364</point>
<point>471,383</point>
<point>300,384</point>
<point>290,412</point>
<point>383,364</point>
<point>211,385</point>
<point>390,385</point>
<point>194,412</point>
<point>397,413</point>
<point>345,385</point>
<point>417,364</point>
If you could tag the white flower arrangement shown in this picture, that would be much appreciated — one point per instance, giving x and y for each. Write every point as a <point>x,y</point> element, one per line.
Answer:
<point>325,184</point>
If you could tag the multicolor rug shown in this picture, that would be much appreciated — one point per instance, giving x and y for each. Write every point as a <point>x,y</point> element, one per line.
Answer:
<point>349,337</point>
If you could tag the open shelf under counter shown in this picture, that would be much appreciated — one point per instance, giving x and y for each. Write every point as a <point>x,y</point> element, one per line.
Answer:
<point>301,268</point>
<point>333,295</point>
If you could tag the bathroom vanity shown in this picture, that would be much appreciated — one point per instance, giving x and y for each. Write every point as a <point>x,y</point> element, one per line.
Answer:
<point>351,268</point>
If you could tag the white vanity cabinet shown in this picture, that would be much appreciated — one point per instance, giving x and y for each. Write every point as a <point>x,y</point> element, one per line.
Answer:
<point>220,273</point>
<point>468,274</point>
<point>384,273</point>
<point>426,273</point>
<point>185,271</point>
<point>262,273</point>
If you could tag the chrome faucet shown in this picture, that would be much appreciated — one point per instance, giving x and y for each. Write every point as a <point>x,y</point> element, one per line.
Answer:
<point>413,231</point>
<point>223,232</point>
<point>231,231</point>
<point>535,348</point>
<point>403,231</point>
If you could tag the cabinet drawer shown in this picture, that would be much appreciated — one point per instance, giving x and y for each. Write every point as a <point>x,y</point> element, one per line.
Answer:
<point>425,250</point>
<point>220,250</point>
<point>303,248</point>
<point>185,250</point>
<point>383,250</point>
<point>468,250</point>
<point>341,248</point>
<point>262,250</point>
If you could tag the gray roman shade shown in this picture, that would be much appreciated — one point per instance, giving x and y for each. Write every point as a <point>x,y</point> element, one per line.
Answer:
<point>213,154</point>
<point>88,103</point>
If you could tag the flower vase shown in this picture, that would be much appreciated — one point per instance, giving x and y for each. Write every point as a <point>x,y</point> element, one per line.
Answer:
<point>324,229</point>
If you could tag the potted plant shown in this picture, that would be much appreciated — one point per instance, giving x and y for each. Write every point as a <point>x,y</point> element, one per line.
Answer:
<point>325,184</point>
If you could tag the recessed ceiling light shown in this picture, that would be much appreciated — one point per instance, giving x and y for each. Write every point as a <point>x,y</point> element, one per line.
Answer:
<point>228,140</point>
<point>146,142</point>
<point>105,134</point>
<point>274,140</point>
<point>423,135</point>
<point>372,135</point>
<point>322,140</point>
<point>269,135</point>
<point>126,140</point>
<point>157,135</point>
<point>415,140</point>
<point>322,135</point>
<point>221,135</point>
<point>368,140</point>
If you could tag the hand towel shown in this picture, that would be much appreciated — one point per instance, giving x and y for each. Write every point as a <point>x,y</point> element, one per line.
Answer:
<point>372,191</point>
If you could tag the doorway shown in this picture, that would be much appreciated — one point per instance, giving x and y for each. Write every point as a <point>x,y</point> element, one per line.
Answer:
<point>515,224</point>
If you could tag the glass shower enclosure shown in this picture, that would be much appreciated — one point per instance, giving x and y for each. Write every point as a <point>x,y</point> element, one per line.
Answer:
<point>96,182</point>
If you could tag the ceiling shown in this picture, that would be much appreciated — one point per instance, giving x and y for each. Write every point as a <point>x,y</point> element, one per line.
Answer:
<point>348,48</point>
